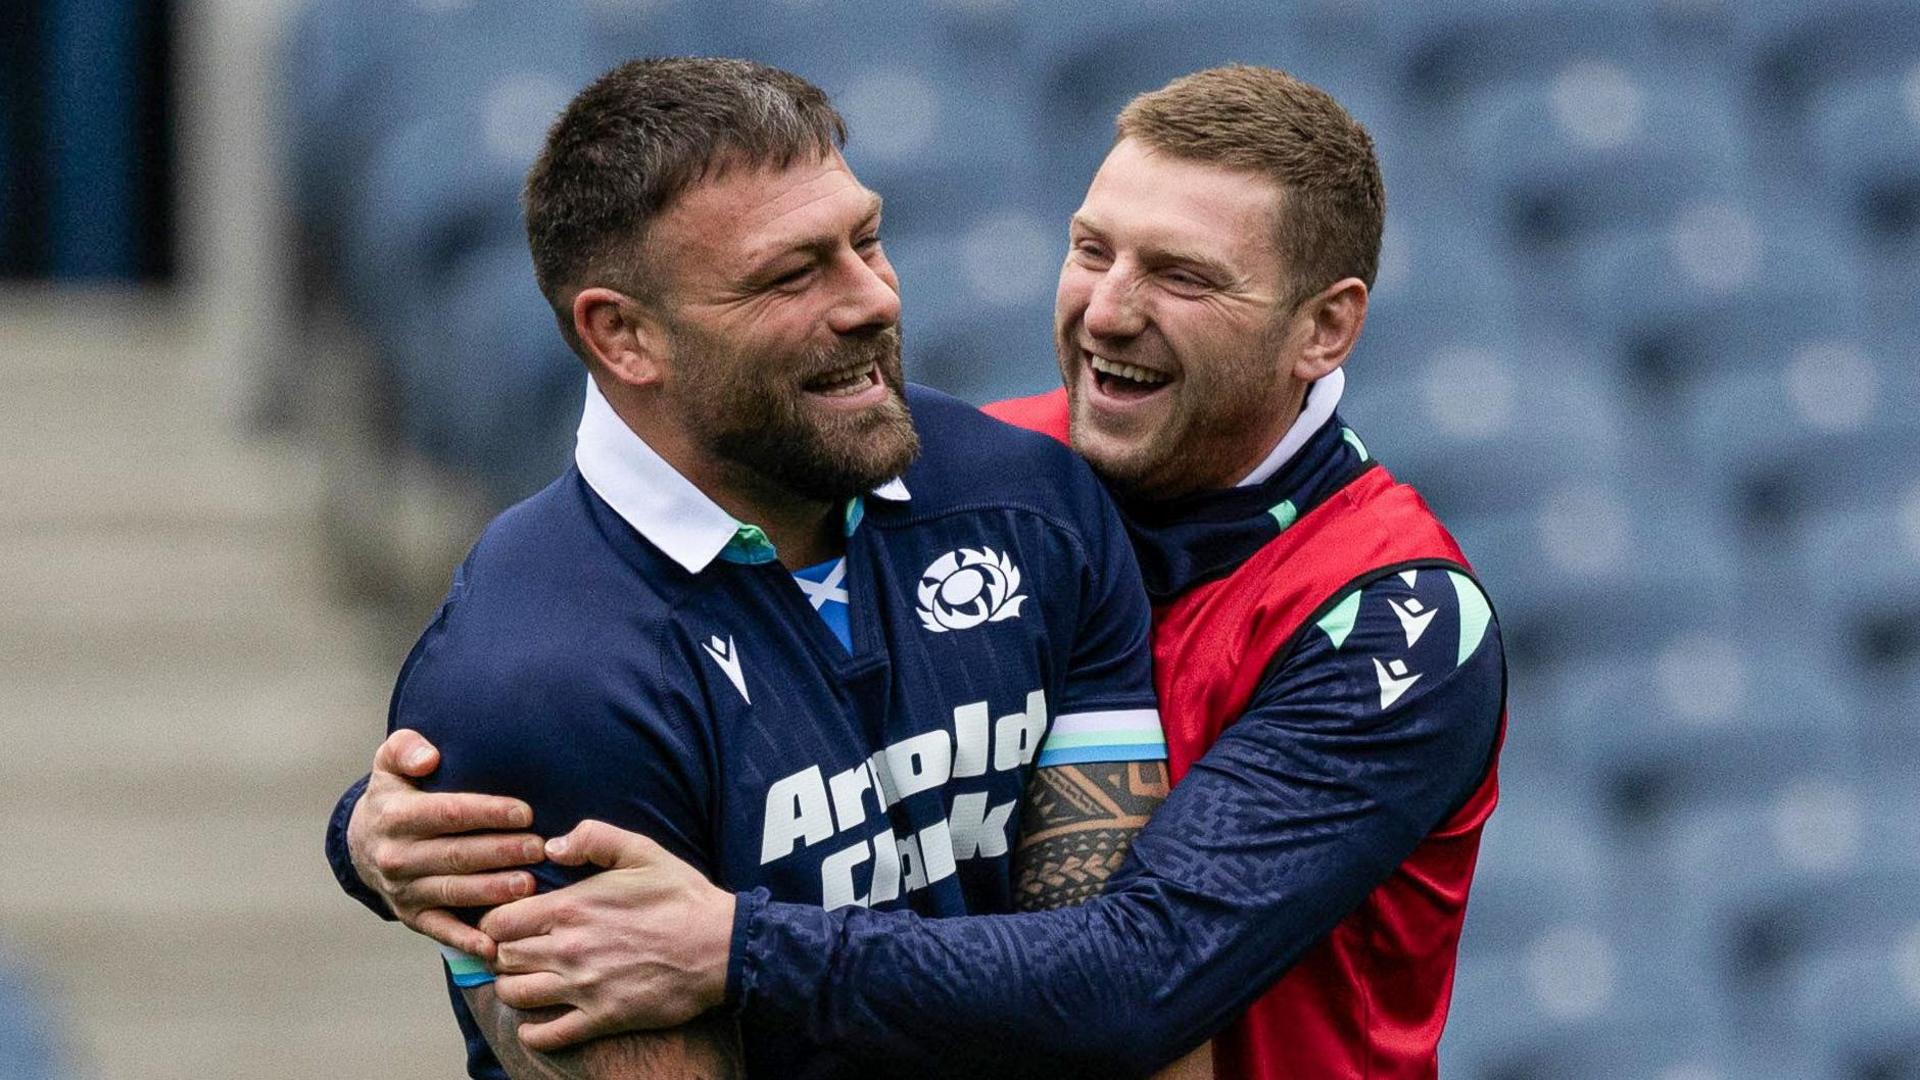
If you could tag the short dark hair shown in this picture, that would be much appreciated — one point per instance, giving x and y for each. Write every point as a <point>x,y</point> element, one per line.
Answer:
<point>637,138</point>
<point>1265,121</point>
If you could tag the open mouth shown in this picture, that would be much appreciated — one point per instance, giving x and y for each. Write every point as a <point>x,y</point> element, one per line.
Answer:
<point>1125,381</point>
<point>845,382</point>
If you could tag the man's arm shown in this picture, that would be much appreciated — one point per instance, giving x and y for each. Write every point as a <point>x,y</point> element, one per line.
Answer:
<point>1079,824</point>
<point>706,1049</point>
<point>414,855</point>
<point>1306,803</point>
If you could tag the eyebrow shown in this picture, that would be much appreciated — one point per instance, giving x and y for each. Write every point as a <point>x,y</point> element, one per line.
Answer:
<point>1160,254</point>
<point>819,244</point>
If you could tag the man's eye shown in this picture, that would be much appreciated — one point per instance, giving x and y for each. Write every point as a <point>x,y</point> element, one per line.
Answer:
<point>792,277</point>
<point>868,242</point>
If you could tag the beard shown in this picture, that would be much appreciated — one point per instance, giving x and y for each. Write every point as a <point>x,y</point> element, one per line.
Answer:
<point>1214,417</point>
<point>754,414</point>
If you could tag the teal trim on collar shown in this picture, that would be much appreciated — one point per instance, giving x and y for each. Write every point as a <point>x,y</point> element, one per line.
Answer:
<point>749,545</point>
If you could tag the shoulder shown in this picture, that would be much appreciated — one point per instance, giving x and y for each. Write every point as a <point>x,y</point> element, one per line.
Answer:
<point>1419,642</point>
<point>968,458</point>
<point>542,606</point>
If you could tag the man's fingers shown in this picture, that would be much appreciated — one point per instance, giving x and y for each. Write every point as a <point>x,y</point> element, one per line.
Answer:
<point>523,956</point>
<point>523,918</point>
<point>474,854</point>
<point>442,927</point>
<point>444,813</point>
<point>569,1028</point>
<point>465,890</point>
<point>537,990</point>
<point>604,846</point>
<point>406,753</point>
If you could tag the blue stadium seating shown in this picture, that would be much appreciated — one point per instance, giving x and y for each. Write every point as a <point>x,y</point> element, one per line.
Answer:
<point>1830,427</point>
<point>1792,49</point>
<point>1445,54</point>
<point>1720,287</point>
<point>30,1043</point>
<point>1597,148</point>
<point>1860,1010</point>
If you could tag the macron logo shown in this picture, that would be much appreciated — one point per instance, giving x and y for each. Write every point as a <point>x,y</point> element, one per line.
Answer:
<point>728,658</point>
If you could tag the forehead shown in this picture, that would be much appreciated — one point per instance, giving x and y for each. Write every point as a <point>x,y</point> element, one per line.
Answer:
<point>1141,197</point>
<point>749,213</point>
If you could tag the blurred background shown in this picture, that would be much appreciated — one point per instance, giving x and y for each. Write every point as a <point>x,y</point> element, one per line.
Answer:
<point>1645,335</point>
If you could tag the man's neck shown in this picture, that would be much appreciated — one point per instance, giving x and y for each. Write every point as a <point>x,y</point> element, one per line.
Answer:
<point>803,531</point>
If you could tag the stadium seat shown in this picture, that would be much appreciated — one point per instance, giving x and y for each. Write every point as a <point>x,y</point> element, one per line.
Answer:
<point>1480,428</point>
<point>1793,49</point>
<point>1831,427</point>
<point>1085,69</point>
<point>977,304</point>
<point>1444,54</point>
<point>1592,571</point>
<point>1865,138</point>
<point>1860,1010</point>
<point>1860,568</point>
<point>1594,149</point>
<point>937,124</point>
<point>30,1044</point>
<point>1709,719</point>
<point>1720,287</point>
<point>1769,887</point>
<point>488,386</point>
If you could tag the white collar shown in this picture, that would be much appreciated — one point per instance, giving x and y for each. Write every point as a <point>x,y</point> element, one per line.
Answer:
<point>1322,396</point>
<point>660,504</point>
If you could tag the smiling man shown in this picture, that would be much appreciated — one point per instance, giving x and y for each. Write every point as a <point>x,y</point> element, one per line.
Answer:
<point>775,617</point>
<point>1330,675</point>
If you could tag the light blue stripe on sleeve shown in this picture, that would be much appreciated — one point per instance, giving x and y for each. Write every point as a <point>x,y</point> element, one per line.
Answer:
<point>1107,735</point>
<point>1081,755</point>
<point>466,970</point>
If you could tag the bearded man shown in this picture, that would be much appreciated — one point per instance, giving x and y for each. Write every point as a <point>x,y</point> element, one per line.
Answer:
<point>809,651</point>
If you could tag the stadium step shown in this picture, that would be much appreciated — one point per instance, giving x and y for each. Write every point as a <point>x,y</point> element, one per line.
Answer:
<point>181,700</point>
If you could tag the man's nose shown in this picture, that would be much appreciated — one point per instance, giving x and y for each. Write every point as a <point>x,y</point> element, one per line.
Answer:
<point>868,301</point>
<point>1113,311</point>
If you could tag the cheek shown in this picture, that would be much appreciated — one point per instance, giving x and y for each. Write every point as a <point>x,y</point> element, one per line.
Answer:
<point>1071,297</point>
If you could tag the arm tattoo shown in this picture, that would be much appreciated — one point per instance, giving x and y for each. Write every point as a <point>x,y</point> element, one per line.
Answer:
<point>706,1049</point>
<point>1079,822</point>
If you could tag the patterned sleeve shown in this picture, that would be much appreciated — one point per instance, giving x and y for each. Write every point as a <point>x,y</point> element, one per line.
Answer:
<point>1379,724</point>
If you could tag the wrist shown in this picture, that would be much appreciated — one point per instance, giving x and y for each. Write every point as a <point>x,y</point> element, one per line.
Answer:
<point>717,955</point>
<point>346,870</point>
<point>740,972</point>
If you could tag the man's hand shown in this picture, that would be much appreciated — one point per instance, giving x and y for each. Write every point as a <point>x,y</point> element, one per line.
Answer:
<point>405,845</point>
<point>642,945</point>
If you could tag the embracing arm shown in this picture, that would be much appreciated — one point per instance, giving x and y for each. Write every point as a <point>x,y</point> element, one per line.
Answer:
<point>1079,824</point>
<point>708,1048</point>
<point>1302,808</point>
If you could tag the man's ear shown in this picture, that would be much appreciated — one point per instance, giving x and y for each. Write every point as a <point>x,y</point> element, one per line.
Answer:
<point>1332,321</point>
<point>618,332</point>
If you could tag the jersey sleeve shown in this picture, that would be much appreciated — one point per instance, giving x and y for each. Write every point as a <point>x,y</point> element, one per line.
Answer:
<point>575,733</point>
<point>1368,736</point>
<point>341,861</point>
<point>1109,711</point>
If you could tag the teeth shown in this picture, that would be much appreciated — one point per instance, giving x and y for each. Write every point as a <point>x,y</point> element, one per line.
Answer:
<point>1126,371</point>
<point>845,382</point>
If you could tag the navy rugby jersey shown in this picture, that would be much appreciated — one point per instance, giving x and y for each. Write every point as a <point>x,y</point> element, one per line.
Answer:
<point>616,647</point>
<point>1373,727</point>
